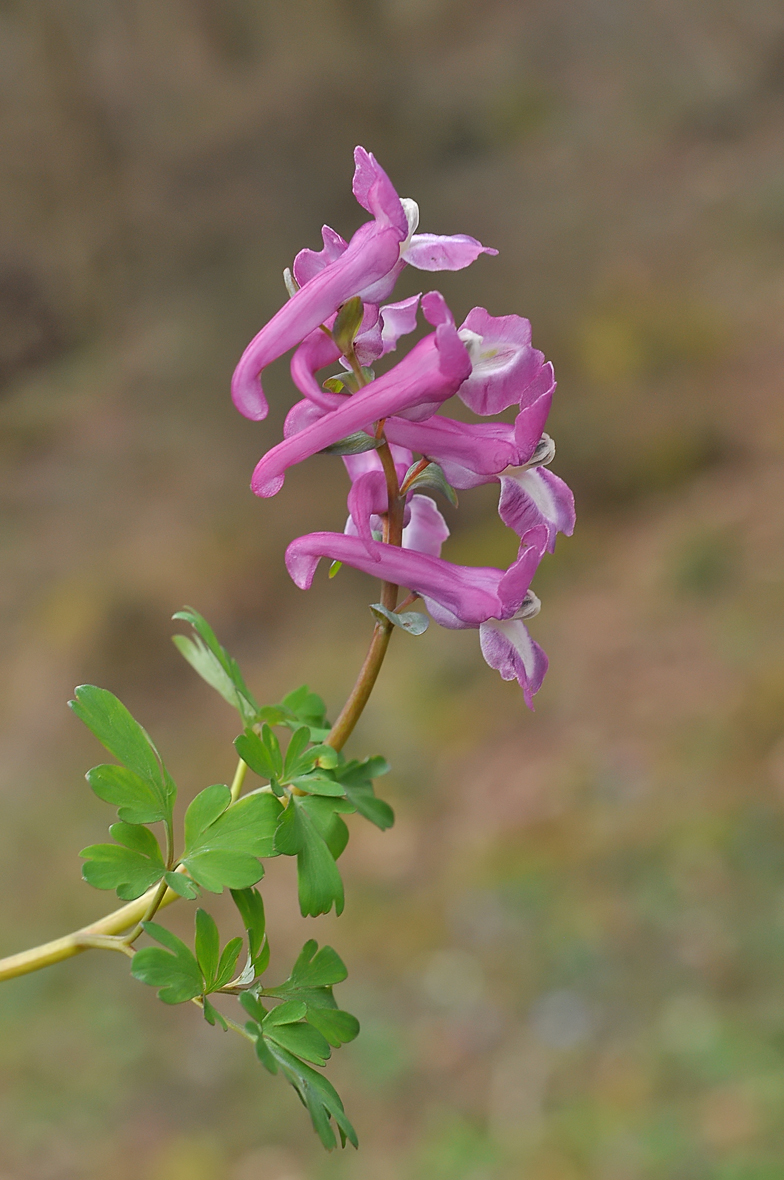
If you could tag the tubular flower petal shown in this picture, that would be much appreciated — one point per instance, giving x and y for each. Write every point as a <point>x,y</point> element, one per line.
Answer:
<point>505,367</point>
<point>370,254</point>
<point>424,378</point>
<point>469,594</point>
<point>469,452</point>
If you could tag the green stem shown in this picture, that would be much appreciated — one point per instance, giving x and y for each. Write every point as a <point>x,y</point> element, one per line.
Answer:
<point>152,909</point>
<point>82,940</point>
<point>238,780</point>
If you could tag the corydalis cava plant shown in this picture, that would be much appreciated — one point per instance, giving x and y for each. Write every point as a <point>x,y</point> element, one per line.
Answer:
<point>398,447</point>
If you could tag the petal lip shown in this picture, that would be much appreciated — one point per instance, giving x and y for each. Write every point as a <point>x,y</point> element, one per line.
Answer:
<point>508,647</point>
<point>371,254</point>
<point>506,369</point>
<point>443,251</point>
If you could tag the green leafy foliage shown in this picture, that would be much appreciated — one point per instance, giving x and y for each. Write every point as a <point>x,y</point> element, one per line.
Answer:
<point>130,866</point>
<point>353,444</point>
<point>301,766</point>
<point>310,829</point>
<point>138,801</point>
<point>142,786</point>
<point>262,753</point>
<point>300,707</point>
<point>174,970</point>
<point>356,779</point>
<point>312,977</point>
<point>222,843</point>
<point>179,973</point>
<point>337,1026</point>
<point>347,323</point>
<point>413,622</point>
<point>287,1042</point>
<point>431,476</point>
<point>214,664</point>
<point>251,908</point>
<point>216,968</point>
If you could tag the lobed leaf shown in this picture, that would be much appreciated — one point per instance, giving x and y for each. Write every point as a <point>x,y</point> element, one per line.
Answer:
<point>130,866</point>
<point>319,881</point>
<point>174,970</point>
<point>214,664</point>
<point>356,778</point>
<point>110,722</point>
<point>223,843</point>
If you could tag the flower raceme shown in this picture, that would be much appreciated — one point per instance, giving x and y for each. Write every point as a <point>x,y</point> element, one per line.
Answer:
<point>338,314</point>
<point>367,266</point>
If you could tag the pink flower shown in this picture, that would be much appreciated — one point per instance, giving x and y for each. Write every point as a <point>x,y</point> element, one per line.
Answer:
<point>367,266</point>
<point>429,374</point>
<point>457,596</point>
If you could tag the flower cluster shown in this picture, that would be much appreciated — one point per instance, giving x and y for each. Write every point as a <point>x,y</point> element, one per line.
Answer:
<point>336,315</point>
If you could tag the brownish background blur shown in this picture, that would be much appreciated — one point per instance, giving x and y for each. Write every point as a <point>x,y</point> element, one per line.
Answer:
<point>567,956</point>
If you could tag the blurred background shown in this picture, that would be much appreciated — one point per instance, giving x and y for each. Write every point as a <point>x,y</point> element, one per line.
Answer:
<point>568,954</point>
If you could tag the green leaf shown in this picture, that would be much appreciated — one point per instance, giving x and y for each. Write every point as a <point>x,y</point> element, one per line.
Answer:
<point>353,444</point>
<point>333,384</point>
<point>214,664</point>
<point>253,1006</point>
<point>318,784</point>
<point>335,568</point>
<point>347,323</point>
<point>202,811</point>
<point>225,852</point>
<point>318,1095</point>
<point>228,962</point>
<point>251,908</point>
<point>413,622</point>
<point>262,753</point>
<point>356,778</point>
<point>130,866</point>
<point>109,720</point>
<point>430,477</point>
<point>212,1015</point>
<point>207,945</point>
<point>177,973</point>
<point>301,758</point>
<point>182,885</point>
<point>294,763</point>
<point>307,707</point>
<point>302,1039</point>
<point>138,800</point>
<point>337,1026</point>
<point>313,974</point>
<point>319,882</point>
<point>287,1013</point>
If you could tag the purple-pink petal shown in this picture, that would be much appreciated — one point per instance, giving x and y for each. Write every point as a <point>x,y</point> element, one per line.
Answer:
<point>371,253</point>
<point>443,251</point>
<point>505,367</point>
<point>376,193</point>
<point>507,647</point>
<point>535,496</point>
<point>426,530</point>
<point>428,375</point>
<point>309,263</point>
<point>472,594</point>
